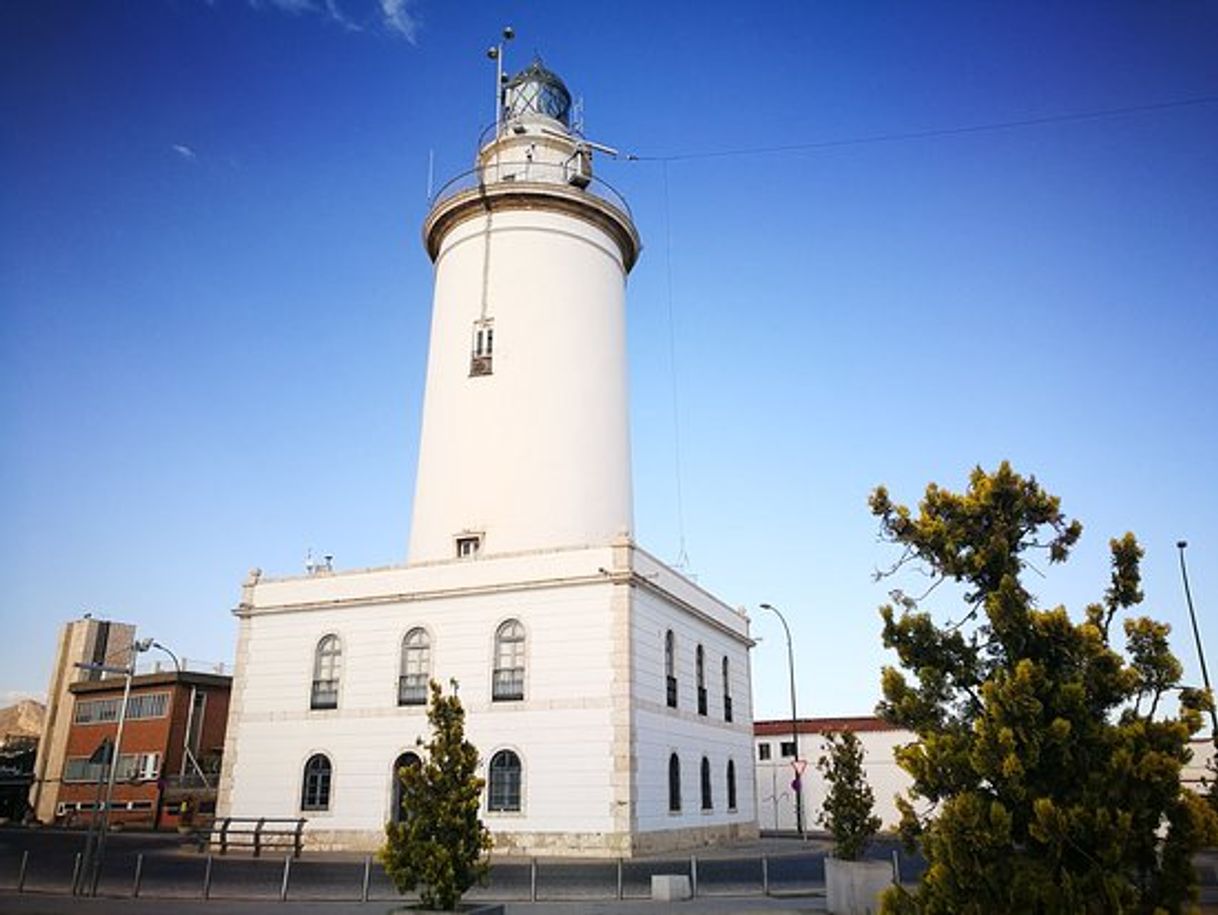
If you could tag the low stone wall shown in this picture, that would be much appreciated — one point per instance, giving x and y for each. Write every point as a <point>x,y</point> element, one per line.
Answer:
<point>560,844</point>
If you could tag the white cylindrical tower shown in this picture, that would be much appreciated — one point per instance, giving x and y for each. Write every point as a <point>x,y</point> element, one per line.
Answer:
<point>525,440</point>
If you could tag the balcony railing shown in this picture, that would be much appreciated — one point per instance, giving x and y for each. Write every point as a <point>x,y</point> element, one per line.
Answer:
<point>507,684</point>
<point>412,689</point>
<point>568,175</point>
<point>325,694</point>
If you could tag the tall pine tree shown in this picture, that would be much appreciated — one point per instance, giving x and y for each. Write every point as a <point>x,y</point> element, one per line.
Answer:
<point>1046,769</point>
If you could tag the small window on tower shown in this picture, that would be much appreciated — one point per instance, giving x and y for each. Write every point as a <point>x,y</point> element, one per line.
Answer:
<point>483,349</point>
<point>468,546</point>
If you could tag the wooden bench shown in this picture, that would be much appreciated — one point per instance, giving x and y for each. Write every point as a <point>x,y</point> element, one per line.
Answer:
<point>258,833</point>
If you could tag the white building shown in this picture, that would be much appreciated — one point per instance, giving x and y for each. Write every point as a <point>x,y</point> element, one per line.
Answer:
<point>608,695</point>
<point>778,757</point>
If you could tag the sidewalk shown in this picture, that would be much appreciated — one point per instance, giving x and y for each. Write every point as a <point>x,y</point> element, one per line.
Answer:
<point>37,904</point>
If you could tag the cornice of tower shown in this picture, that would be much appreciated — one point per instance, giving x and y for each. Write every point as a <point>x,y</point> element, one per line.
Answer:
<point>528,195</point>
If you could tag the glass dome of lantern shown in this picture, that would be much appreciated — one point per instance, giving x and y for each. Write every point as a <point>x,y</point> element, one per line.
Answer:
<point>537,91</point>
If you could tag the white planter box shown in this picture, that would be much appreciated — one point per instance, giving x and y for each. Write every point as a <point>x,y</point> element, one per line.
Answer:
<point>855,887</point>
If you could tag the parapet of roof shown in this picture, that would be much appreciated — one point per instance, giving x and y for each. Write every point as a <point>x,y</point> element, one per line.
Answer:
<point>778,727</point>
<point>164,678</point>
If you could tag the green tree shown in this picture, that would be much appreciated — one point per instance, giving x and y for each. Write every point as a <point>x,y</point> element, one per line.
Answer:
<point>847,810</point>
<point>440,846</point>
<point>1046,771</point>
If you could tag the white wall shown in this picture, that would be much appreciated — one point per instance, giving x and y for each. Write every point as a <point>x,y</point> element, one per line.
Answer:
<point>776,798</point>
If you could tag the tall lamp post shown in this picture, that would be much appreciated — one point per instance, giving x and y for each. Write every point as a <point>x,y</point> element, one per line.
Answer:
<point>93,857</point>
<point>495,53</point>
<point>1205,676</point>
<point>798,785</point>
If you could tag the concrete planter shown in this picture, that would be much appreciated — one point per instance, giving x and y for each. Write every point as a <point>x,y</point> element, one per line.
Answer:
<point>855,887</point>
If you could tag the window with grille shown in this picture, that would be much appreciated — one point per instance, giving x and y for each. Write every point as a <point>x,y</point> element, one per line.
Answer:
<point>327,667</point>
<point>315,790</point>
<point>508,676</point>
<point>131,767</point>
<point>763,751</point>
<point>407,760</point>
<point>100,711</point>
<point>504,783</point>
<point>416,668</point>
<point>670,669</point>
<point>483,348</point>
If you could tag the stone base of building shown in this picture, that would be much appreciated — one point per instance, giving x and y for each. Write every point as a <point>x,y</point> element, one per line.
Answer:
<point>560,844</point>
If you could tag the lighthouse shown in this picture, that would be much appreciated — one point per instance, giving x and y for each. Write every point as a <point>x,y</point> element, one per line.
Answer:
<point>607,693</point>
<point>525,440</point>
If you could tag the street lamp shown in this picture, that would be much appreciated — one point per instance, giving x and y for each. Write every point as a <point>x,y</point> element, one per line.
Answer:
<point>1205,676</point>
<point>799,788</point>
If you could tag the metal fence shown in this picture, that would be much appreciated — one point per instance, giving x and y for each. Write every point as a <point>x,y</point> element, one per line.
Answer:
<point>185,875</point>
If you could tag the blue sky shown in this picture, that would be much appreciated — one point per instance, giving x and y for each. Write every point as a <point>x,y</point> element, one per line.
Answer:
<point>216,302</point>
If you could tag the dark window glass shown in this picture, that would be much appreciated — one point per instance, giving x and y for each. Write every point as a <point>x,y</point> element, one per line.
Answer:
<point>731,785</point>
<point>315,793</point>
<point>674,784</point>
<point>504,782</point>
<point>707,802</point>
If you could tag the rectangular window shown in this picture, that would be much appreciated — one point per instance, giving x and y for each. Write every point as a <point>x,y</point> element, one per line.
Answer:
<point>100,711</point>
<point>763,751</point>
<point>727,707</point>
<point>701,700</point>
<point>483,348</point>
<point>468,546</point>
<point>132,767</point>
<point>787,748</point>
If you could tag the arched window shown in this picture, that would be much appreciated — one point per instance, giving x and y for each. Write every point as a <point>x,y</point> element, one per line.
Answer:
<point>407,760</point>
<point>707,801</point>
<point>731,784</point>
<point>327,666</point>
<point>416,668</point>
<point>670,668</point>
<point>727,692</point>
<point>508,679</point>
<point>315,790</point>
<point>504,794</point>
<point>700,672</point>
<point>674,784</point>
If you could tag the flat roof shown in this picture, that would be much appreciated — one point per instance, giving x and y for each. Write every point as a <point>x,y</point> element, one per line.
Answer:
<point>161,678</point>
<point>778,727</point>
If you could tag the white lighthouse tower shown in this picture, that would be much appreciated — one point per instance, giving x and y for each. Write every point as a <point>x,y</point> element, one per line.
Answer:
<point>608,695</point>
<point>525,442</point>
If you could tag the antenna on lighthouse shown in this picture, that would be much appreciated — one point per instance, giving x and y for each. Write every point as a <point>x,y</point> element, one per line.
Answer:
<point>495,53</point>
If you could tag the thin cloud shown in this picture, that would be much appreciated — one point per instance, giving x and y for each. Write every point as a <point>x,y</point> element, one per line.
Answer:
<point>184,151</point>
<point>395,16</point>
<point>398,18</point>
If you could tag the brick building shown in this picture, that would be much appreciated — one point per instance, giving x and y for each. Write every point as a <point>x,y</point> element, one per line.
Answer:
<point>173,738</point>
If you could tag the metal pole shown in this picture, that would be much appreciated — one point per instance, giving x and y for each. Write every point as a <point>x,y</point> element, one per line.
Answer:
<point>25,860</point>
<point>799,792</point>
<point>765,875</point>
<point>114,759</point>
<point>1205,676</point>
<point>76,873</point>
<point>619,878</point>
<point>363,896</point>
<point>693,876</point>
<point>139,873</point>
<point>287,872</point>
<point>207,879</point>
<point>533,880</point>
